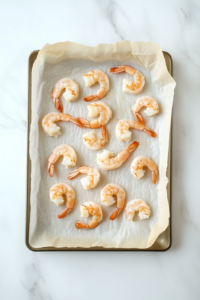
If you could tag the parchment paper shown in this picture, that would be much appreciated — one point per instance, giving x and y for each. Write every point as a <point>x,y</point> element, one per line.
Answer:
<point>73,60</point>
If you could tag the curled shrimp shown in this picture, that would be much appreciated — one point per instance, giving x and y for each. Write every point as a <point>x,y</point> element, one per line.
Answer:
<point>137,205</point>
<point>95,109</point>
<point>93,142</point>
<point>69,159</point>
<point>56,193</point>
<point>71,92</point>
<point>139,163</point>
<point>151,107</point>
<point>49,126</point>
<point>90,208</point>
<point>131,87</point>
<point>94,77</point>
<point>107,198</point>
<point>106,161</point>
<point>123,133</point>
<point>88,182</point>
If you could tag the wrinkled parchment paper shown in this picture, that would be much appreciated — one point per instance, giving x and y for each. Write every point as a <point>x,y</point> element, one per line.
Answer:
<point>73,60</point>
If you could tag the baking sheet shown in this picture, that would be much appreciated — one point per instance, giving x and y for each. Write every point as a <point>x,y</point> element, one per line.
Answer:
<point>164,240</point>
<point>42,203</point>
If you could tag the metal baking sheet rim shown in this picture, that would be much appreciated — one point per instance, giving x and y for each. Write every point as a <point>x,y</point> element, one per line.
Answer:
<point>164,240</point>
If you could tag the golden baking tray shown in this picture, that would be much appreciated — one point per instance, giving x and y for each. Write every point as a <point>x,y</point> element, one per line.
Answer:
<point>164,240</point>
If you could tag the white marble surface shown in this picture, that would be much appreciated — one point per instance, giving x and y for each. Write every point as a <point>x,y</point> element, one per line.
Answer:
<point>174,274</point>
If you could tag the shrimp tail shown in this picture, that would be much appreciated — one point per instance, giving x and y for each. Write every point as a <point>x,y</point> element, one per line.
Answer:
<point>76,122</point>
<point>150,132</point>
<point>104,133</point>
<point>90,98</point>
<point>117,69</point>
<point>84,122</point>
<point>64,213</point>
<point>132,146</point>
<point>115,213</point>
<point>139,117</point>
<point>58,104</point>
<point>80,225</point>
<point>50,169</point>
<point>73,174</point>
<point>154,176</point>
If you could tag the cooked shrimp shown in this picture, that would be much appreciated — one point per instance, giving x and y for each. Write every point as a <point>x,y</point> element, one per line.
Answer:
<point>69,159</point>
<point>95,109</point>
<point>150,103</point>
<point>71,92</point>
<point>123,133</point>
<point>94,77</point>
<point>93,142</point>
<point>49,126</point>
<point>88,182</point>
<point>56,193</point>
<point>90,208</point>
<point>137,205</point>
<point>139,163</point>
<point>106,161</point>
<point>131,87</point>
<point>107,198</point>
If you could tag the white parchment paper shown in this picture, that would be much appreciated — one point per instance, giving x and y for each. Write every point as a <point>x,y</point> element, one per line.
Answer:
<point>73,60</point>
